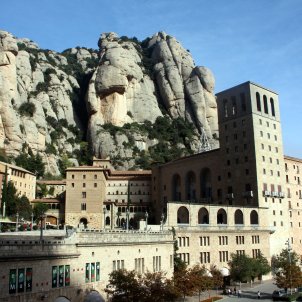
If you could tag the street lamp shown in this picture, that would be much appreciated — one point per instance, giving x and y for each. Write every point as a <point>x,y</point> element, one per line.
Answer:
<point>146,216</point>
<point>104,212</point>
<point>127,219</point>
<point>162,221</point>
<point>290,262</point>
<point>32,221</point>
<point>17,221</point>
<point>42,217</point>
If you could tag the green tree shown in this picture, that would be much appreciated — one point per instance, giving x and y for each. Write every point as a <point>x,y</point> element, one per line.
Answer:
<point>125,286</point>
<point>241,267</point>
<point>11,199</point>
<point>201,281</point>
<point>184,282</point>
<point>286,269</point>
<point>217,277</point>
<point>261,266</point>
<point>38,210</point>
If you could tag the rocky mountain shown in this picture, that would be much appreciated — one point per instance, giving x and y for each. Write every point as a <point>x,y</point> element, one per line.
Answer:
<point>133,101</point>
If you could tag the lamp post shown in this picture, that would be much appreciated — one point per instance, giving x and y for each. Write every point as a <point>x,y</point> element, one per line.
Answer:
<point>32,221</point>
<point>104,212</point>
<point>127,219</point>
<point>17,221</point>
<point>290,262</point>
<point>146,216</point>
<point>42,217</point>
<point>162,221</point>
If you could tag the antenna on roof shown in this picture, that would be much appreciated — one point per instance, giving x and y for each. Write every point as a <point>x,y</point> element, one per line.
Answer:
<point>205,145</point>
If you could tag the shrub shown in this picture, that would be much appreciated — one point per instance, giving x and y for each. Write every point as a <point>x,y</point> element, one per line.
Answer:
<point>27,109</point>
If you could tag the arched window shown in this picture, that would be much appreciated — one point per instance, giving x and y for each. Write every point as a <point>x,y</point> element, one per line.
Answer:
<point>225,107</point>
<point>254,217</point>
<point>205,183</point>
<point>176,188</point>
<point>265,104</point>
<point>182,215</point>
<point>238,217</point>
<point>222,217</point>
<point>234,106</point>
<point>203,216</point>
<point>190,186</point>
<point>272,106</point>
<point>107,220</point>
<point>258,101</point>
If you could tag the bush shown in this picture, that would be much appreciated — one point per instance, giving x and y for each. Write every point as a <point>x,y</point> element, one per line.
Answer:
<point>27,109</point>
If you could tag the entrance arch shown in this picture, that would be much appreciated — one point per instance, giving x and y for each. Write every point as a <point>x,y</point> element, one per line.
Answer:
<point>62,299</point>
<point>94,296</point>
<point>84,222</point>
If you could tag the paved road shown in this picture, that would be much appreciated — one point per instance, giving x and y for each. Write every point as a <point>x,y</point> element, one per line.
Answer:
<point>248,293</point>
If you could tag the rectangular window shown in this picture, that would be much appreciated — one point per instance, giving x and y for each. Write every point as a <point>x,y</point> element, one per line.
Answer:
<point>87,272</point>
<point>67,275</point>
<point>92,272</point>
<point>21,280</point>
<point>97,271</point>
<point>83,194</point>
<point>29,278</point>
<point>61,275</point>
<point>204,257</point>
<point>12,281</point>
<point>54,276</point>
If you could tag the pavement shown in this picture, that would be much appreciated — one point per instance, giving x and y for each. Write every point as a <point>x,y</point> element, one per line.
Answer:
<point>249,293</point>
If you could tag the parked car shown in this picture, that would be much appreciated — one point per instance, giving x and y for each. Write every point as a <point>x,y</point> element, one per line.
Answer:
<point>280,295</point>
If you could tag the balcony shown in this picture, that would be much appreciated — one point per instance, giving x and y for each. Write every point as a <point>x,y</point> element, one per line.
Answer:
<point>266,193</point>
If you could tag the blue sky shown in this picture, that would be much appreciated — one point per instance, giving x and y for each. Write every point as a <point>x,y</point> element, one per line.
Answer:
<point>259,40</point>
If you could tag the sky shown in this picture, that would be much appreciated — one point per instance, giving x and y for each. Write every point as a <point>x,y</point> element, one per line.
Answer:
<point>239,40</point>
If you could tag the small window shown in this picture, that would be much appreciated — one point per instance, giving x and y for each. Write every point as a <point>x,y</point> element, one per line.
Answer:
<point>84,176</point>
<point>83,194</point>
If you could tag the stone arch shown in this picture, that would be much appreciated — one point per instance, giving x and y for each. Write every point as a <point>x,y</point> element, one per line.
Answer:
<point>222,217</point>
<point>203,216</point>
<point>238,217</point>
<point>84,222</point>
<point>107,220</point>
<point>254,219</point>
<point>94,296</point>
<point>176,188</point>
<point>191,186</point>
<point>205,183</point>
<point>183,215</point>
<point>61,299</point>
<point>52,219</point>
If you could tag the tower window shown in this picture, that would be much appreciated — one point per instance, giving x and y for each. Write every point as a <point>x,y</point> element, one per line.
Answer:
<point>258,101</point>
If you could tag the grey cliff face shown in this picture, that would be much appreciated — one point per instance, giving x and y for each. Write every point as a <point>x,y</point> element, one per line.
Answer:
<point>46,97</point>
<point>123,91</point>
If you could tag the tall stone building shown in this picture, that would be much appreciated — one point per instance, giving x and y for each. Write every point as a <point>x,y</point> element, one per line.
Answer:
<point>231,199</point>
<point>293,168</point>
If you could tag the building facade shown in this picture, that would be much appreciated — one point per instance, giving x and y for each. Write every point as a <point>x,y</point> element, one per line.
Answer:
<point>72,267</point>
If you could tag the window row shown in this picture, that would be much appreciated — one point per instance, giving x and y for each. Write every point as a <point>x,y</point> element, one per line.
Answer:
<point>230,107</point>
<point>183,216</point>
<point>267,124</point>
<point>223,240</point>
<point>84,176</point>
<point>126,193</point>
<point>265,104</point>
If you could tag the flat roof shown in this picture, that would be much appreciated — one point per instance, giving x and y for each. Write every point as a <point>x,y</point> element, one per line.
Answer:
<point>246,83</point>
<point>16,168</point>
<point>293,158</point>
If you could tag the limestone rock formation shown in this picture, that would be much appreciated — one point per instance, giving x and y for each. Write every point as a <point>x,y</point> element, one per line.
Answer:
<point>47,99</point>
<point>123,90</point>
